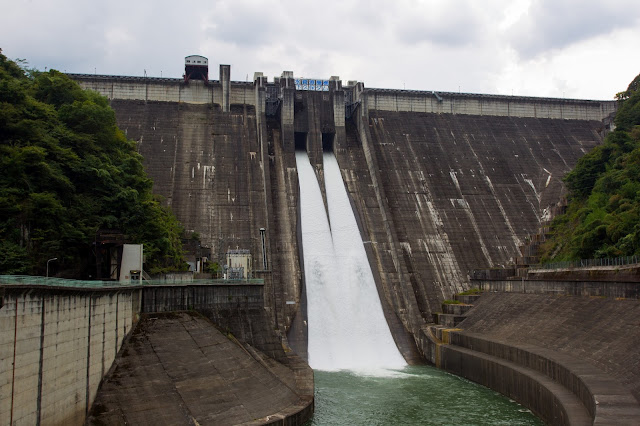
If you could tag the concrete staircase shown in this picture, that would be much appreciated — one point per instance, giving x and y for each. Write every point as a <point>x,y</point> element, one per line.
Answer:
<point>530,250</point>
<point>454,313</point>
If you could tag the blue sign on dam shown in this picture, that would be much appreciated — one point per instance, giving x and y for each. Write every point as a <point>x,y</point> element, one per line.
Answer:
<point>312,84</point>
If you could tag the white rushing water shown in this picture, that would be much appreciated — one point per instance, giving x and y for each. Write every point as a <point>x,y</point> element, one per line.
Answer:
<point>347,329</point>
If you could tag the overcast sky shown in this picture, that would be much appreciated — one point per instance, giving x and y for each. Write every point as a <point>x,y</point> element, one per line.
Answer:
<point>558,48</point>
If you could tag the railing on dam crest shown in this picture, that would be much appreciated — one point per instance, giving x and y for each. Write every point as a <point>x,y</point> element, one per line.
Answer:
<point>30,280</point>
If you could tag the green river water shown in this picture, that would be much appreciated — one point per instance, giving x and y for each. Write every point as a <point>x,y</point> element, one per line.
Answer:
<point>416,395</point>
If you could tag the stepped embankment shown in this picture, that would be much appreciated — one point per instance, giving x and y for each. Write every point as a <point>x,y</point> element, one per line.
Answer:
<point>570,359</point>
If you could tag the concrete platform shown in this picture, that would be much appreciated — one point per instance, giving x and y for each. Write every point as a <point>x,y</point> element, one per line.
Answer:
<point>180,369</point>
<point>468,299</point>
<point>456,309</point>
<point>448,320</point>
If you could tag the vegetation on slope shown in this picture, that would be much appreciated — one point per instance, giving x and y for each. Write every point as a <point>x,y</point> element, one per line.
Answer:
<point>603,215</point>
<point>68,171</point>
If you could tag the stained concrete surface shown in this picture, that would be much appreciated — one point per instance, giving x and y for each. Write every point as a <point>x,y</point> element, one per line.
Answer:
<point>440,195</point>
<point>464,191</point>
<point>224,176</point>
<point>179,369</point>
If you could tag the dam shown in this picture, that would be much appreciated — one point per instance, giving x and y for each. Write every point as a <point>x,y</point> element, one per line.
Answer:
<point>440,184</point>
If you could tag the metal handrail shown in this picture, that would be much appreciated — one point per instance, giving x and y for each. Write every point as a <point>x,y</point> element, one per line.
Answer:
<point>589,263</point>
<point>31,280</point>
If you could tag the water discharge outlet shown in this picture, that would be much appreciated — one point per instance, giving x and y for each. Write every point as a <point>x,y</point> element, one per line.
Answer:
<point>300,141</point>
<point>347,328</point>
<point>327,142</point>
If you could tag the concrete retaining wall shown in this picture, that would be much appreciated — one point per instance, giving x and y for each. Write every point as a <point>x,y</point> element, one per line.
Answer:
<point>626,290</point>
<point>559,388</point>
<point>477,104</point>
<point>605,400</point>
<point>235,308</point>
<point>197,297</point>
<point>513,383</point>
<point>178,368</point>
<point>55,347</point>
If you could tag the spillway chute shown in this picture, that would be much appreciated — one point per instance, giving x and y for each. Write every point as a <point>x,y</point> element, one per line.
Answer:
<point>346,325</point>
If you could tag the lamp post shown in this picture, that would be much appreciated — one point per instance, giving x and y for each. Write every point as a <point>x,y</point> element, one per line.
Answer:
<point>264,251</point>
<point>55,258</point>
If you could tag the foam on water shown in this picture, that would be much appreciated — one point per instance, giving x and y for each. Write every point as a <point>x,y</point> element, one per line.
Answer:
<point>347,328</point>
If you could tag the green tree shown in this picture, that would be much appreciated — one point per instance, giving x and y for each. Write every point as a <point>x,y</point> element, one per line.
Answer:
<point>603,215</point>
<point>68,171</point>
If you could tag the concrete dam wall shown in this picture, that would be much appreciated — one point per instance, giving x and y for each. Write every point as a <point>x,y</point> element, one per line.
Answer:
<point>452,192</point>
<point>442,183</point>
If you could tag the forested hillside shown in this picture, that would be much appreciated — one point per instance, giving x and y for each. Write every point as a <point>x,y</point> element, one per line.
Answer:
<point>603,215</point>
<point>68,171</point>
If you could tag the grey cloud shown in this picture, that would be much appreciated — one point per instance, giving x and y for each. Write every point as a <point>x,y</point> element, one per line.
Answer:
<point>440,34</point>
<point>243,23</point>
<point>433,44</point>
<point>454,24</point>
<point>555,24</point>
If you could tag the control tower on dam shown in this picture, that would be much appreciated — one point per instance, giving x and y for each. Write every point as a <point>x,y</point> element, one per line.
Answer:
<point>441,183</point>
